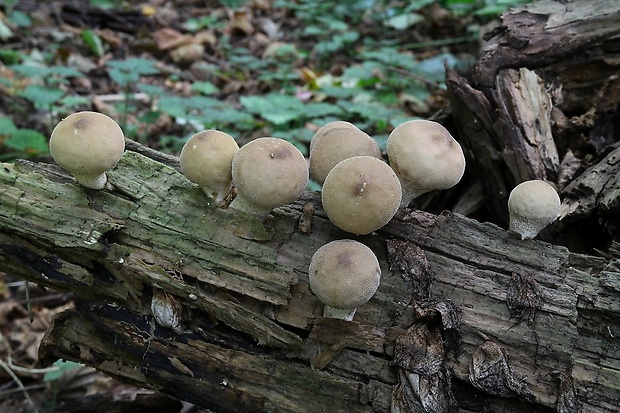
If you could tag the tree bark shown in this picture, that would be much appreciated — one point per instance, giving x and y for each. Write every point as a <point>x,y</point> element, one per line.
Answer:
<point>541,102</point>
<point>467,316</point>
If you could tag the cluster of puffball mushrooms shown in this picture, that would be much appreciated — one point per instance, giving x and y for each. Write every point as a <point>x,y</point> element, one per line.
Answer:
<point>360,191</point>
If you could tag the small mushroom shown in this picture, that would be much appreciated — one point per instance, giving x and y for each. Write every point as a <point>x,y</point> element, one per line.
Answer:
<point>328,126</point>
<point>532,206</point>
<point>206,160</point>
<point>344,275</point>
<point>361,194</point>
<point>87,144</point>
<point>268,172</point>
<point>425,157</point>
<point>337,144</point>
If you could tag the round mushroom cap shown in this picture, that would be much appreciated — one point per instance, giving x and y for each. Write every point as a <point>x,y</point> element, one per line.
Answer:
<point>425,157</point>
<point>337,144</point>
<point>206,160</point>
<point>330,125</point>
<point>87,144</point>
<point>361,194</point>
<point>344,274</point>
<point>532,206</point>
<point>268,172</point>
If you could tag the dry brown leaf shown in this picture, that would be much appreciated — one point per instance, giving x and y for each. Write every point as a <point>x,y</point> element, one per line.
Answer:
<point>240,20</point>
<point>168,38</point>
<point>10,310</point>
<point>188,53</point>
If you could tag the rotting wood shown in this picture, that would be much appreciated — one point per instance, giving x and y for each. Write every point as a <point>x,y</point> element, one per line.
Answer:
<point>121,253</point>
<point>549,70</point>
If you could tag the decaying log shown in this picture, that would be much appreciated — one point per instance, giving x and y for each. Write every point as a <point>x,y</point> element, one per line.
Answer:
<point>541,102</point>
<point>252,337</point>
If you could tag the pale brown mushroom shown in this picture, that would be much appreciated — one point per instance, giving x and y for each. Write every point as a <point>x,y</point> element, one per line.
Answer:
<point>268,172</point>
<point>338,144</point>
<point>532,206</point>
<point>425,157</point>
<point>361,194</point>
<point>330,125</point>
<point>206,160</point>
<point>87,144</point>
<point>344,275</point>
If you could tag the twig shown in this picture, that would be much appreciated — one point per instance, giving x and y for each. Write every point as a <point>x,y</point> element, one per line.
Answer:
<point>28,303</point>
<point>20,385</point>
<point>31,387</point>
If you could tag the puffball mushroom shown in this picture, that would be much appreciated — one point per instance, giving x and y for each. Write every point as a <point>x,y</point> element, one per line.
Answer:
<point>344,275</point>
<point>330,125</point>
<point>532,206</point>
<point>268,172</point>
<point>425,157</point>
<point>361,194</point>
<point>206,160</point>
<point>337,144</point>
<point>87,144</point>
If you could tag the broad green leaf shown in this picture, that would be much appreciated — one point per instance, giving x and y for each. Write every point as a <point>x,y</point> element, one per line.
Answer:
<point>404,21</point>
<point>74,101</point>
<point>42,96</point>
<point>5,32</point>
<point>27,140</point>
<point>315,110</point>
<point>206,88</point>
<point>275,108</point>
<point>201,102</point>
<point>151,90</point>
<point>42,72</point>
<point>7,126</point>
<point>63,366</point>
<point>125,72</point>
<point>173,106</point>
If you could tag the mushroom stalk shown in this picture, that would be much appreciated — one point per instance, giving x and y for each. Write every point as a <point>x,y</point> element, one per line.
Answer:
<point>409,194</point>
<point>92,181</point>
<point>345,314</point>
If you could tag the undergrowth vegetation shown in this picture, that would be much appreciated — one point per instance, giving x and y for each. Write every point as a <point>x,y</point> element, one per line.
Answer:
<point>250,68</point>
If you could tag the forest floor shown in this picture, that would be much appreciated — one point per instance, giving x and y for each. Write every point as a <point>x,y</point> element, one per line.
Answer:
<point>167,69</point>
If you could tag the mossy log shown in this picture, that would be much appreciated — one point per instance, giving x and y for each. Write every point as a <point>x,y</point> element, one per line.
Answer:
<point>252,337</point>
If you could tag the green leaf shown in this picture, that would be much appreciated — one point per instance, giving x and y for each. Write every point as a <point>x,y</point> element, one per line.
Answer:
<point>173,106</point>
<point>44,73</point>
<point>5,31</point>
<point>206,88</point>
<point>318,109</point>
<point>7,126</point>
<point>275,108</point>
<point>9,56</point>
<point>151,90</point>
<point>42,96</point>
<point>27,140</point>
<point>404,21</point>
<point>63,366</point>
<point>227,116</point>
<point>93,41</point>
<point>74,101</point>
<point>20,19</point>
<point>125,72</point>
